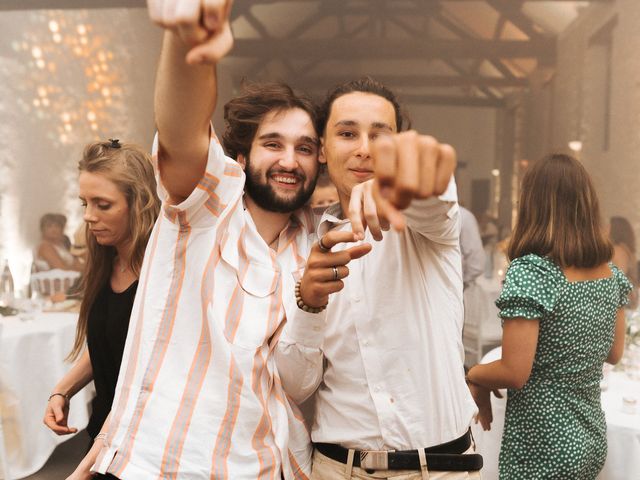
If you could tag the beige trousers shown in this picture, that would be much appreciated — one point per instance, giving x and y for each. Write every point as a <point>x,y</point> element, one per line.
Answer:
<point>324,468</point>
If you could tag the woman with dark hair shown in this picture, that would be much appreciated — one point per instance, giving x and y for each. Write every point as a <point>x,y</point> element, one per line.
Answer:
<point>561,306</point>
<point>118,192</point>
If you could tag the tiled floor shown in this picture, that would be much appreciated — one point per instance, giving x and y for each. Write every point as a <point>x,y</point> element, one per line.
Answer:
<point>64,460</point>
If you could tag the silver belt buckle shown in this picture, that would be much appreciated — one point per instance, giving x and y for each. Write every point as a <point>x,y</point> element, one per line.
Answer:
<point>374,459</point>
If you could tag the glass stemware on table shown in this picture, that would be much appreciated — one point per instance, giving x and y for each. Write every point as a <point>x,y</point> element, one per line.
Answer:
<point>630,362</point>
<point>624,378</point>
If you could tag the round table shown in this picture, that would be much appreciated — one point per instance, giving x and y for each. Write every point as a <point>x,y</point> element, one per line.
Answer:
<point>623,429</point>
<point>32,356</point>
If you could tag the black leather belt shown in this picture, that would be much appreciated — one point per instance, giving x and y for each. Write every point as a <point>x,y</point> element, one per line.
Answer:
<point>444,457</point>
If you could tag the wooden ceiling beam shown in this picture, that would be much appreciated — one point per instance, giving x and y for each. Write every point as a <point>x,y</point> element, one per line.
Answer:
<point>512,11</point>
<point>349,49</point>
<point>6,5</point>
<point>403,81</point>
<point>452,101</point>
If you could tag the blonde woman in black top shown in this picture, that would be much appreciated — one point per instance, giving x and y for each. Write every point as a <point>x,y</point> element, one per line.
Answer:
<point>118,191</point>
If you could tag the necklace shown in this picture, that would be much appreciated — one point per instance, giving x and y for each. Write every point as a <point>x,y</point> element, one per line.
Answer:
<point>119,265</point>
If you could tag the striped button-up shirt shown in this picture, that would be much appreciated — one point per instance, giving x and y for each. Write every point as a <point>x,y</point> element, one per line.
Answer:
<point>199,396</point>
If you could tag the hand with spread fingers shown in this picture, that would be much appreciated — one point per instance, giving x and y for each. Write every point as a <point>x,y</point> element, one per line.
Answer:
<point>408,166</point>
<point>201,24</point>
<point>363,212</point>
<point>325,269</point>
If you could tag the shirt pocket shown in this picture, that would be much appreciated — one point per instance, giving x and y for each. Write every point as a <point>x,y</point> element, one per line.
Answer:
<point>252,315</point>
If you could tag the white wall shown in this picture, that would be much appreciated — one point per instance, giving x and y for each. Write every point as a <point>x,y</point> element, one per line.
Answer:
<point>576,104</point>
<point>471,130</point>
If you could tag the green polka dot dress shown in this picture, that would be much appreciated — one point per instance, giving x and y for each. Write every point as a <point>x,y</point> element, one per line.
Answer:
<point>554,425</point>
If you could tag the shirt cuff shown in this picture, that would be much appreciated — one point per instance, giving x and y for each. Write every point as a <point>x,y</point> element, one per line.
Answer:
<point>305,328</point>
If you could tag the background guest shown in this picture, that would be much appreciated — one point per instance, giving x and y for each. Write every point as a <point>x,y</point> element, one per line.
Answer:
<point>559,328</point>
<point>118,191</point>
<point>624,252</point>
<point>325,193</point>
<point>53,250</point>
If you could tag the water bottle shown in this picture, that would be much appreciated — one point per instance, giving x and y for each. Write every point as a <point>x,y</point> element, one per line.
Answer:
<point>6,286</point>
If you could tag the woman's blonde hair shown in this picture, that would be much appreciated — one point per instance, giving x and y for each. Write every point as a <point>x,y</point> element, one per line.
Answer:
<point>130,169</point>
<point>559,215</point>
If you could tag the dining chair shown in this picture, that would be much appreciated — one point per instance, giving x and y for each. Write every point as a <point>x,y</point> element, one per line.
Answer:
<point>53,281</point>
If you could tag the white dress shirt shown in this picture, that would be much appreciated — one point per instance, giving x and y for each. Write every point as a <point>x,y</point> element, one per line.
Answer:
<point>385,360</point>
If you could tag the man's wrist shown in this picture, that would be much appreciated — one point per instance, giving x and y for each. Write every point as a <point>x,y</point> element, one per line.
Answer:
<point>469,380</point>
<point>303,306</point>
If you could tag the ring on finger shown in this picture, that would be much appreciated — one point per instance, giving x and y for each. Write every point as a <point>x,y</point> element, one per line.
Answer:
<point>335,273</point>
<point>321,246</point>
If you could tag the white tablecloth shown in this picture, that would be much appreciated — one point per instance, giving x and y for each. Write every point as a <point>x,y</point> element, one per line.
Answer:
<point>31,363</point>
<point>623,430</point>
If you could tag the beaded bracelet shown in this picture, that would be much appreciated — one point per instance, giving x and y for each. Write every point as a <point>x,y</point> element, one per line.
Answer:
<point>303,306</point>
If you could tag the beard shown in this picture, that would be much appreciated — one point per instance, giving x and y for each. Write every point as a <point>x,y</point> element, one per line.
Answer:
<point>268,198</point>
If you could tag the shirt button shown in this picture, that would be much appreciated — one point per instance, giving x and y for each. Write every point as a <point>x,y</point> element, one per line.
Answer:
<point>365,343</point>
<point>356,299</point>
<point>377,388</point>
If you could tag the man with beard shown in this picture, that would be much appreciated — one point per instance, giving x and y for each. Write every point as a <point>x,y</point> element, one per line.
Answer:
<point>199,395</point>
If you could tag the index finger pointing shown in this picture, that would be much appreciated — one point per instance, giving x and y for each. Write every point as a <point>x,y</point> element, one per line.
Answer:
<point>355,211</point>
<point>358,251</point>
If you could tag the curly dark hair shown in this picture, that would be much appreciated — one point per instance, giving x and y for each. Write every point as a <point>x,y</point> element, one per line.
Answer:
<point>243,114</point>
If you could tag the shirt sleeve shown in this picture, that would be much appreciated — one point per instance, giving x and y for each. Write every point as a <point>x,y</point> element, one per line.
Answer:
<point>437,218</point>
<point>298,355</point>
<point>531,288</point>
<point>624,286</point>
<point>221,184</point>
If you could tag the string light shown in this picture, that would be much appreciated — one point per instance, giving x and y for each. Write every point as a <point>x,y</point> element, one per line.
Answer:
<point>67,63</point>
<point>70,43</point>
